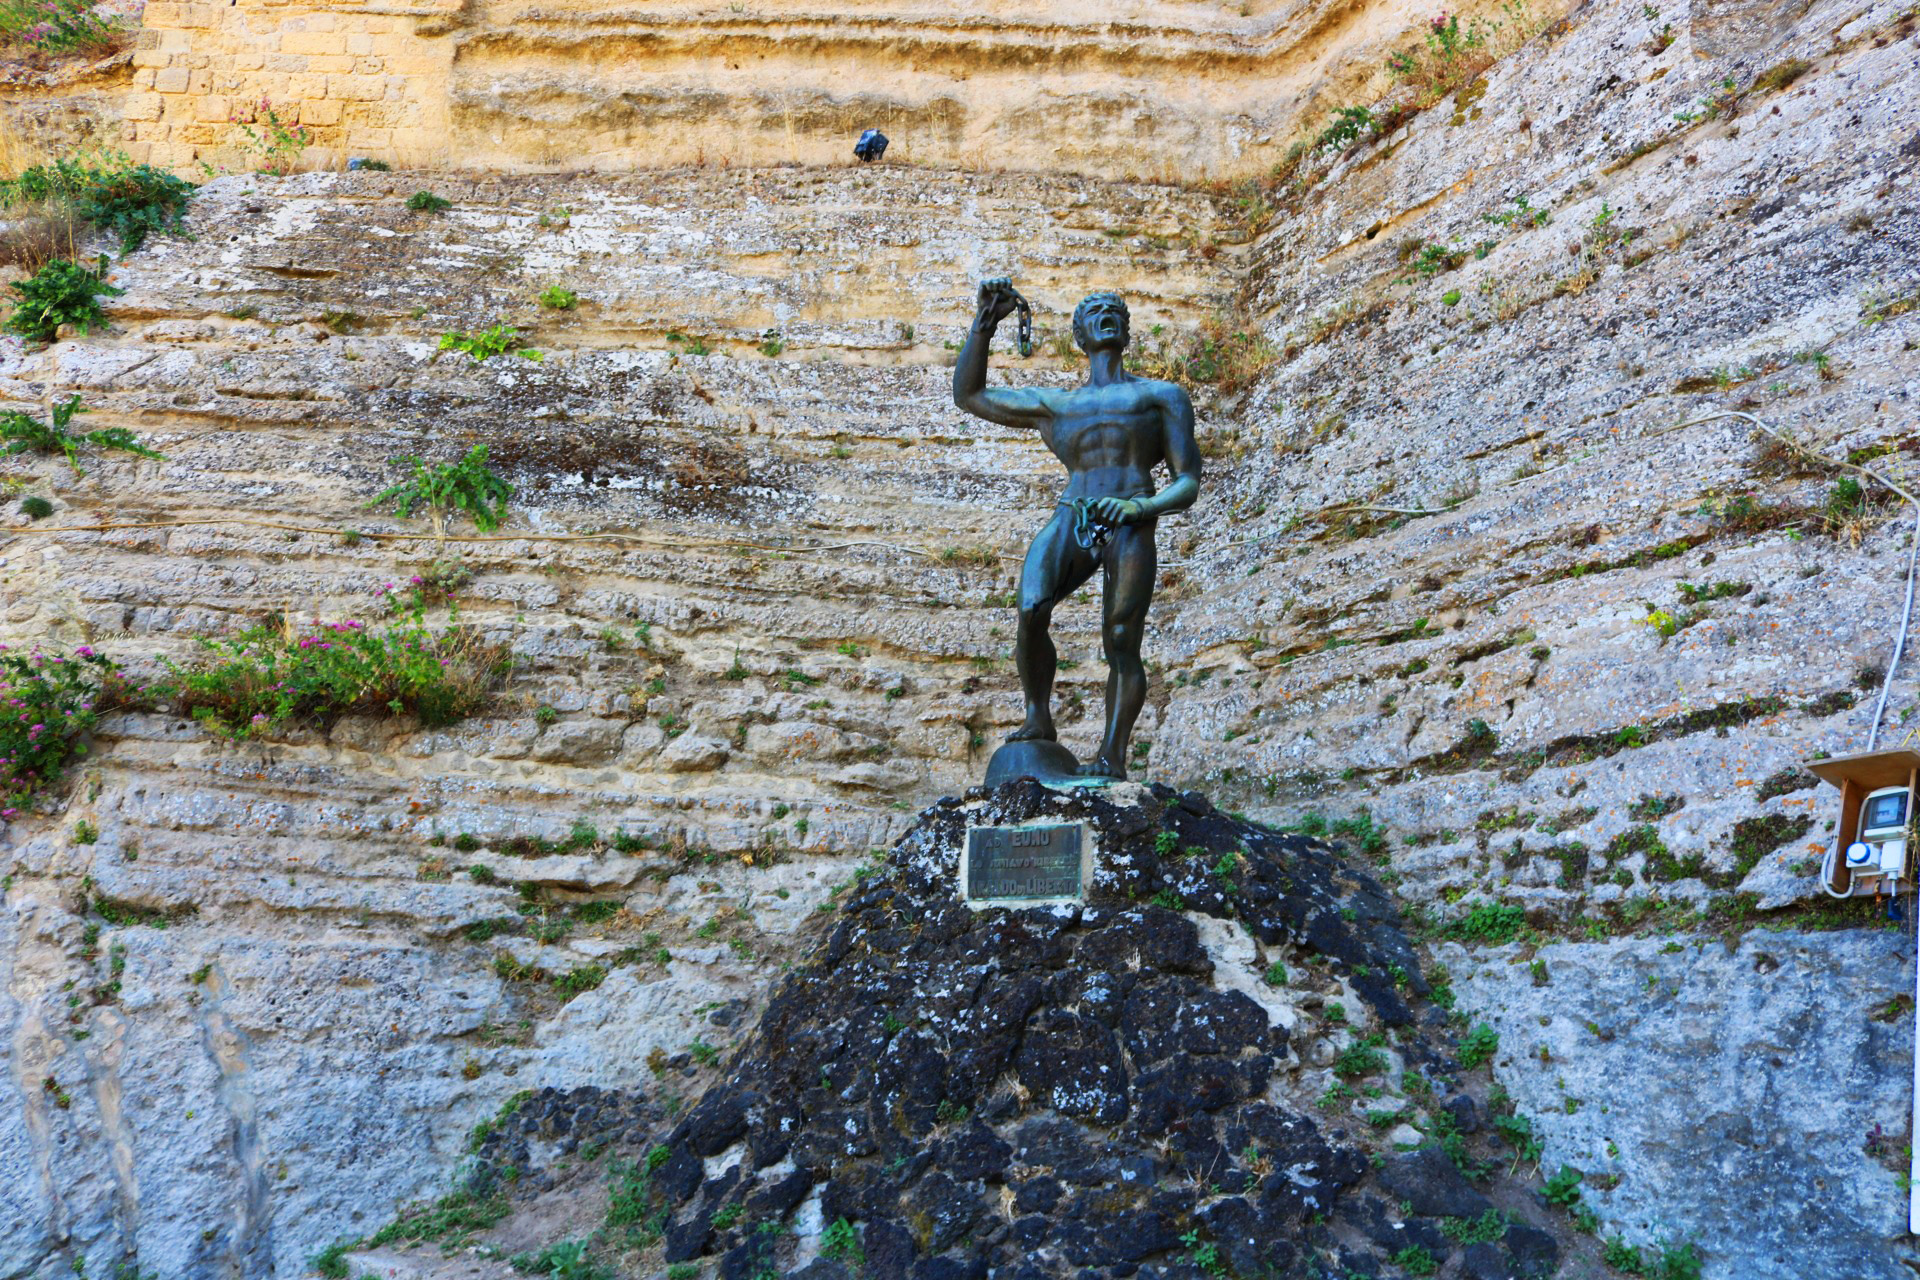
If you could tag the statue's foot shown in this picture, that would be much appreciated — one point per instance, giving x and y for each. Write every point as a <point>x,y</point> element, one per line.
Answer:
<point>1101,767</point>
<point>1034,731</point>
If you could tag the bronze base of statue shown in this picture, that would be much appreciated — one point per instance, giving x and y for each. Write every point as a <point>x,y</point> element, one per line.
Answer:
<point>1045,762</point>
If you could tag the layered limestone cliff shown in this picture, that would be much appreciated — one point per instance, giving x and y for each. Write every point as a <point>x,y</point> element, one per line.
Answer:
<point>1155,89</point>
<point>1461,562</point>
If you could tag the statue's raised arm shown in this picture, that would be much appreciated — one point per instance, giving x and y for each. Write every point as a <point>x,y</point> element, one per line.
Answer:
<point>1008,406</point>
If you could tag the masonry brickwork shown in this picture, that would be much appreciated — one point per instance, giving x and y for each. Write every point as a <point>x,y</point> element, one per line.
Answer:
<point>360,79</point>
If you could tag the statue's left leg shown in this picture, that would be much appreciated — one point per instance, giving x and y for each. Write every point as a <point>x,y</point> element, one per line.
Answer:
<point>1131,565</point>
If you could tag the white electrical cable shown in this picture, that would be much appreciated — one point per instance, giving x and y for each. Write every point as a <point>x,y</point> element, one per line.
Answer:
<point>1886,685</point>
<point>1826,872</point>
<point>1900,640</point>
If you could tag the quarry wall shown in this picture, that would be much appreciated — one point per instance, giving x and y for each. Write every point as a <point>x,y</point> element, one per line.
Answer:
<point>1476,575</point>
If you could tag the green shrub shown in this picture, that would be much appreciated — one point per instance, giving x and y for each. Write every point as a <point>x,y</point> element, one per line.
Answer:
<point>1478,1046</point>
<point>35,507</point>
<point>556,298</point>
<point>48,704</point>
<point>108,191</point>
<point>467,485</point>
<point>484,344</point>
<point>427,202</point>
<point>61,292</point>
<point>23,433</point>
<point>1349,123</point>
<point>134,202</point>
<point>251,684</point>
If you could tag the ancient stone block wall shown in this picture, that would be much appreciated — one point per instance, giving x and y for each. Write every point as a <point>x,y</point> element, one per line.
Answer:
<point>362,79</point>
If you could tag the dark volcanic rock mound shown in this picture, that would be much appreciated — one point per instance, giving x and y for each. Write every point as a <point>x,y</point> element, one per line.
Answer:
<point>1084,1092</point>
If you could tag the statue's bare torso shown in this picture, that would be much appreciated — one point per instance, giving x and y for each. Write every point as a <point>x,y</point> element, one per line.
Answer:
<point>1112,437</point>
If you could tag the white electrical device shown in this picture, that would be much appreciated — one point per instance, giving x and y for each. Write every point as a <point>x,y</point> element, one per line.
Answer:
<point>1872,852</point>
<point>1882,846</point>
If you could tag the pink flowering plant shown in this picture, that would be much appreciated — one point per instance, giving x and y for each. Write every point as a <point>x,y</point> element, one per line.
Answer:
<point>1451,54</point>
<point>60,26</point>
<point>276,142</point>
<point>48,705</point>
<point>250,685</point>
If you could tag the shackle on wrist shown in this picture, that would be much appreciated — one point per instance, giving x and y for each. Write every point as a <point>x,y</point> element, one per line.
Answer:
<point>1023,314</point>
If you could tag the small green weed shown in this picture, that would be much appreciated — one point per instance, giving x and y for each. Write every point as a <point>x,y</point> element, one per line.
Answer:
<point>579,981</point>
<point>1485,1229</point>
<point>1493,923</point>
<point>1415,1261</point>
<point>467,485</point>
<point>566,1260</point>
<point>1478,1046</point>
<point>1563,1188</point>
<point>427,202</point>
<point>484,344</point>
<point>331,1261</point>
<point>450,1220</point>
<point>22,433</point>
<point>841,1242</point>
<point>1359,1060</point>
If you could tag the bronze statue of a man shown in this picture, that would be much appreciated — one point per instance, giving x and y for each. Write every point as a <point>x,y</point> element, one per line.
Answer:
<point>1111,433</point>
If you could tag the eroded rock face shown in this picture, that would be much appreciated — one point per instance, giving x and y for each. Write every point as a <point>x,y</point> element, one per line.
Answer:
<point>1779,1068</point>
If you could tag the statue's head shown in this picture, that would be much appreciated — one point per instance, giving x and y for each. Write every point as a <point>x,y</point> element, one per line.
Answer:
<point>1100,321</point>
